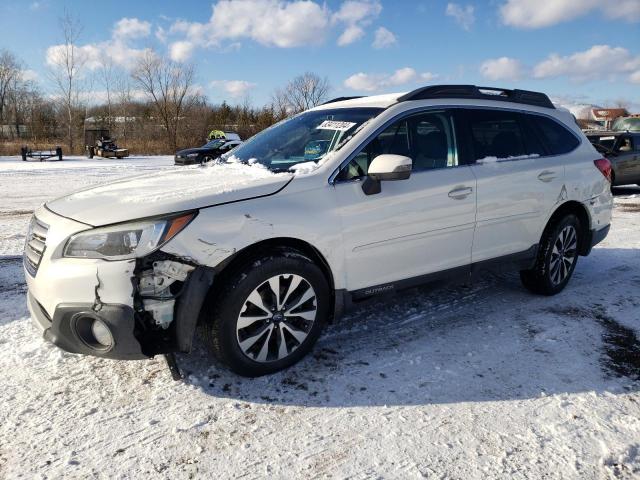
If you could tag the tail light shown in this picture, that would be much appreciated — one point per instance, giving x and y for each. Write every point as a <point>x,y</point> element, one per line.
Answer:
<point>604,166</point>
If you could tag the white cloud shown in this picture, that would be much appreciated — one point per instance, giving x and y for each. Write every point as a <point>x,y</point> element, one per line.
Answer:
<point>117,49</point>
<point>463,15</point>
<point>503,68</point>
<point>371,82</point>
<point>531,14</point>
<point>350,35</point>
<point>181,51</point>
<point>635,77</point>
<point>278,23</point>
<point>355,14</point>
<point>269,22</point>
<point>161,35</point>
<point>600,61</point>
<point>131,28</point>
<point>29,75</point>
<point>235,88</point>
<point>355,11</point>
<point>384,38</point>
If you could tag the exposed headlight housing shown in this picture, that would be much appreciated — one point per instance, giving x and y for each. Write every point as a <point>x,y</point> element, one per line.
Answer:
<point>126,240</point>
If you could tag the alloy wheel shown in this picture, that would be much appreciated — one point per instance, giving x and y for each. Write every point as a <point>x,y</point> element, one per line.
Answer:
<point>276,318</point>
<point>563,254</point>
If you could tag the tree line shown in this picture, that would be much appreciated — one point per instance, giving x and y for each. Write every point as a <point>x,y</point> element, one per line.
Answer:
<point>153,106</point>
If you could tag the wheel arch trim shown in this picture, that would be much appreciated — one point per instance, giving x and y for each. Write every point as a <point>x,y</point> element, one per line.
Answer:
<point>584,217</point>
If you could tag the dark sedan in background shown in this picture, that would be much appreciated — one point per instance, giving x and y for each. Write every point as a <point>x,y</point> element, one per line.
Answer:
<point>623,151</point>
<point>208,152</point>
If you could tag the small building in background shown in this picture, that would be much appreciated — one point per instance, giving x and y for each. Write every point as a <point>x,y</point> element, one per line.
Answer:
<point>606,116</point>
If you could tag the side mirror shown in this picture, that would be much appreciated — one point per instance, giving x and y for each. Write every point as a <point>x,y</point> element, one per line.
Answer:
<point>386,167</point>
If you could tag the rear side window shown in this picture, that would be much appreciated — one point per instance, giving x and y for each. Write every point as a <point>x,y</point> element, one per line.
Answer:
<point>557,139</point>
<point>497,133</point>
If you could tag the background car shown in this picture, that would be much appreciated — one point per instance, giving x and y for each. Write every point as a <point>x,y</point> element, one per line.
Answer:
<point>209,151</point>
<point>623,151</point>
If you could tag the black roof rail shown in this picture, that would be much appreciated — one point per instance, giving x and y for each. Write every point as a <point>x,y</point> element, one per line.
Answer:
<point>341,99</point>
<point>479,93</point>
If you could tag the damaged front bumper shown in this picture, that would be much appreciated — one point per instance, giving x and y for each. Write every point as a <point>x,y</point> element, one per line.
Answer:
<point>128,309</point>
<point>71,323</point>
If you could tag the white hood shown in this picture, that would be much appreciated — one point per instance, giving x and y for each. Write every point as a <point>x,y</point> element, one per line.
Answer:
<point>168,192</point>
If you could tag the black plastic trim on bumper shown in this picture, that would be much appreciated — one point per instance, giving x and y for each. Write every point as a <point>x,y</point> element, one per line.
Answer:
<point>596,236</point>
<point>119,319</point>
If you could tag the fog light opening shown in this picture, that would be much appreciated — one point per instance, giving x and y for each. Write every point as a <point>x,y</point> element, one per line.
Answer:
<point>93,332</point>
<point>101,333</point>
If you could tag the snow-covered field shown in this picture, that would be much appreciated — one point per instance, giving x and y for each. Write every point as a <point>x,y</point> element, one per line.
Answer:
<point>480,381</point>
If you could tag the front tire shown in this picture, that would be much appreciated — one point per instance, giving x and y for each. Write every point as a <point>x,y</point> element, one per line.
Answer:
<point>557,257</point>
<point>269,313</point>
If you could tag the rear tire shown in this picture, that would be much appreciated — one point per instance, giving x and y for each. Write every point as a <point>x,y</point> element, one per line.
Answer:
<point>255,330</point>
<point>557,257</point>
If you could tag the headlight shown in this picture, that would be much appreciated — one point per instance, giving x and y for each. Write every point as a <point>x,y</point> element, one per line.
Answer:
<point>126,240</point>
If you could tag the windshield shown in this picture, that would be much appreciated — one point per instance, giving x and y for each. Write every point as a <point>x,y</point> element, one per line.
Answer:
<point>307,137</point>
<point>630,124</point>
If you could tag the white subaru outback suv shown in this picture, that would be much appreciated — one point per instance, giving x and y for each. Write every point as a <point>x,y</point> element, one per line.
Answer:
<point>354,198</point>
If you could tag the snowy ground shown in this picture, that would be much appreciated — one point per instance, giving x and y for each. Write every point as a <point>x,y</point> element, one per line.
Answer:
<point>463,382</point>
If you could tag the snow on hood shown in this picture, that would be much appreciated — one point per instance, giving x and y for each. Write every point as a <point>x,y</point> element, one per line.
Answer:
<point>169,191</point>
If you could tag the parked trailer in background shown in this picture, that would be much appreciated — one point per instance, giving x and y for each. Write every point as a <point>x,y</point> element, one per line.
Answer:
<point>54,154</point>
<point>99,143</point>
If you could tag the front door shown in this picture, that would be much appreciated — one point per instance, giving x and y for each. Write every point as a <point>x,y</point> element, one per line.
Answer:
<point>412,227</point>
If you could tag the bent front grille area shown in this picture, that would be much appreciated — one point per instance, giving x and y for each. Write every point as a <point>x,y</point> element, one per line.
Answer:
<point>35,245</point>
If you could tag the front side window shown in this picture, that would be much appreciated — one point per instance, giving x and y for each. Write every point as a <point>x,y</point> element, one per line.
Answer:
<point>625,145</point>
<point>307,137</point>
<point>427,138</point>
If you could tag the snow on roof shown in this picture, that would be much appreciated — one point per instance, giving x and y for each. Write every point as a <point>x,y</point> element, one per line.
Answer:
<point>579,110</point>
<point>382,101</point>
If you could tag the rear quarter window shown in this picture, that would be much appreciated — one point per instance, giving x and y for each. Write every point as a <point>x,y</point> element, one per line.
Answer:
<point>557,138</point>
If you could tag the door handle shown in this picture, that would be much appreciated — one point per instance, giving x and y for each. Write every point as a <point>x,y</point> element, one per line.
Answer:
<point>546,176</point>
<point>460,193</point>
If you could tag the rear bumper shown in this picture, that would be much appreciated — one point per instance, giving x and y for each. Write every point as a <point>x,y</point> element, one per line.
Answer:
<point>596,236</point>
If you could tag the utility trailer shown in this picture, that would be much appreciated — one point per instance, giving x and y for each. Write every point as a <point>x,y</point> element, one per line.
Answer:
<point>54,154</point>
<point>99,143</point>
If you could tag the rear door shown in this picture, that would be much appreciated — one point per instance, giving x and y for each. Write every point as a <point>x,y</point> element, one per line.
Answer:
<point>412,227</point>
<point>518,181</point>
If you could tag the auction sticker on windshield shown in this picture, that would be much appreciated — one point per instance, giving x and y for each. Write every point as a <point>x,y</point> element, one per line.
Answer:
<point>335,125</point>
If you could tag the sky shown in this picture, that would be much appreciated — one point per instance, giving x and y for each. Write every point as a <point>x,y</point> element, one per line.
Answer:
<point>576,50</point>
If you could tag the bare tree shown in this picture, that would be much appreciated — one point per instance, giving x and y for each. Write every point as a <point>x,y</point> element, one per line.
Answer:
<point>67,66</point>
<point>124,98</point>
<point>9,72</point>
<point>303,92</point>
<point>107,78</point>
<point>280,103</point>
<point>621,103</point>
<point>21,98</point>
<point>169,86</point>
